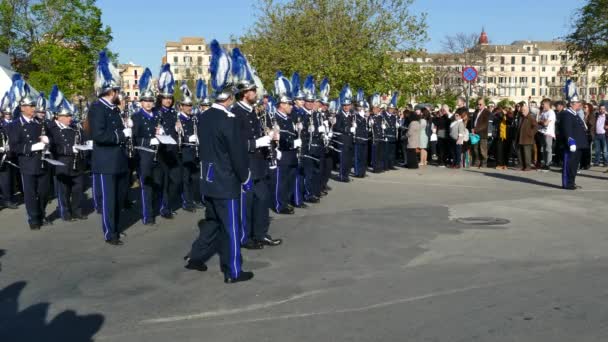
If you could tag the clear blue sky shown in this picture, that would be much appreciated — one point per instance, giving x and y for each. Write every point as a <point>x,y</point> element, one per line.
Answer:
<point>141,28</point>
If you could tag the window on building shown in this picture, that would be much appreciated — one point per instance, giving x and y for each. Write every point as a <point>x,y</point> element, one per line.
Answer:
<point>187,47</point>
<point>512,68</point>
<point>593,79</point>
<point>128,93</point>
<point>533,79</point>
<point>126,82</point>
<point>533,58</point>
<point>523,59</point>
<point>200,48</point>
<point>175,59</point>
<point>135,82</point>
<point>502,68</point>
<point>533,92</point>
<point>553,57</point>
<point>492,58</point>
<point>135,73</point>
<point>199,70</point>
<point>523,91</point>
<point>176,71</point>
<point>492,69</point>
<point>533,68</point>
<point>543,69</point>
<point>136,93</point>
<point>523,80</point>
<point>512,59</point>
<point>564,58</point>
<point>523,68</point>
<point>199,60</point>
<point>553,79</point>
<point>502,60</point>
<point>553,69</point>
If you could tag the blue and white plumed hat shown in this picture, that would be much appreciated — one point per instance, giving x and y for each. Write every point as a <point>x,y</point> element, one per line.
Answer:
<point>571,92</point>
<point>20,93</point>
<point>186,95</point>
<point>334,105</point>
<point>5,107</point>
<point>58,104</point>
<point>146,93</point>
<point>375,100</point>
<point>166,82</point>
<point>220,70</point>
<point>106,75</point>
<point>201,93</point>
<point>241,72</point>
<point>309,89</point>
<point>41,104</point>
<point>324,91</point>
<point>346,96</point>
<point>393,103</point>
<point>282,88</point>
<point>360,99</point>
<point>296,90</point>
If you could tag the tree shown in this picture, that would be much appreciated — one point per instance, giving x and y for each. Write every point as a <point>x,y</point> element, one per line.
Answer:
<point>54,41</point>
<point>347,41</point>
<point>589,38</point>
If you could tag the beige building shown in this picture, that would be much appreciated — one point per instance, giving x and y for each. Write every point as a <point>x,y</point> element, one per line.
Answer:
<point>130,74</point>
<point>521,71</point>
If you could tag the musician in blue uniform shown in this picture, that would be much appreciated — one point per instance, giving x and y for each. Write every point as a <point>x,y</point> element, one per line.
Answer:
<point>255,203</point>
<point>188,150</point>
<point>327,163</point>
<point>223,156</point>
<point>67,137</point>
<point>573,133</point>
<point>312,144</point>
<point>361,137</point>
<point>377,127</point>
<point>344,131</point>
<point>109,161</point>
<point>146,125</point>
<point>8,166</point>
<point>284,178</point>
<point>392,124</point>
<point>168,154</point>
<point>29,140</point>
<point>298,116</point>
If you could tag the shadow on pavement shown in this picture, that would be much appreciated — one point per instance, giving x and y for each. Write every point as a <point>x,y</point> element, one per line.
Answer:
<point>518,179</point>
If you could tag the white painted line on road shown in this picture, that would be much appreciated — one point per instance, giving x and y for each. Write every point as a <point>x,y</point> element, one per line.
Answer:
<point>217,313</point>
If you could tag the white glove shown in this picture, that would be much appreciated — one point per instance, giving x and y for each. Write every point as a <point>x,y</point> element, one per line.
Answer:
<point>129,123</point>
<point>74,150</point>
<point>89,143</point>
<point>330,134</point>
<point>39,146</point>
<point>572,148</point>
<point>353,129</point>
<point>326,123</point>
<point>262,142</point>
<point>154,142</point>
<point>1,149</point>
<point>193,139</point>
<point>383,126</point>
<point>127,132</point>
<point>297,143</point>
<point>397,124</point>
<point>321,129</point>
<point>279,155</point>
<point>161,131</point>
<point>44,139</point>
<point>299,126</point>
<point>311,129</point>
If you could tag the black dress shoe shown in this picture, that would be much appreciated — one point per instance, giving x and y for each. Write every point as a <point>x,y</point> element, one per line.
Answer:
<point>34,226</point>
<point>301,206</point>
<point>150,223</point>
<point>80,217</point>
<point>244,276</point>
<point>129,205</point>
<point>198,205</point>
<point>269,241</point>
<point>324,193</point>
<point>196,266</point>
<point>114,242</point>
<point>286,211</point>
<point>312,200</point>
<point>190,209</point>
<point>12,205</point>
<point>328,188</point>
<point>46,222</point>
<point>252,244</point>
<point>69,219</point>
<point>168,216</point>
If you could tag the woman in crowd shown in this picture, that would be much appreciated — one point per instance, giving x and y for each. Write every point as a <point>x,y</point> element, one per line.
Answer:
<point>502,143</point>
<point>425,126</point>
<point>413,141</point>
<point>590,122</point>
<point>457,133</point>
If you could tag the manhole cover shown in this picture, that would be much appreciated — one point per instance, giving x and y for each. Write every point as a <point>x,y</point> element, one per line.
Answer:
<point>482,221</point>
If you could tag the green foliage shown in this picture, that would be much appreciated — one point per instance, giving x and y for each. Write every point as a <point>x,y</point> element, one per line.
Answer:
<point>589,39</point>
<point>347,41</point>
<point>506,103</point>
<point>54,41</point>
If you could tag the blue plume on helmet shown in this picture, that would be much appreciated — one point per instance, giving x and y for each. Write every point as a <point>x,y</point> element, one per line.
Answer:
<point>394,99</point>
<point>324,88</point>
<point>282,86</point>
<point>201,89</point>
<point>56,99</point>
<point>360,95</point>
<point>106,75</point>
<point>295,83</point>
<point>219,67</point>
<point>240,67</point>
<point>145,81</point>
<point>309,85</point>
<point>166,82</point>
<point>185,90</point>
<point>570,91</point>
<point>346,95</point>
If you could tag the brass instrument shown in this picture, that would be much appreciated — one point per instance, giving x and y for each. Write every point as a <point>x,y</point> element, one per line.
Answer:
<point>45,149</point>
<point>195,129</point>
<point>158,127</point>
<point>77,139</point>
<point>126,115</point>
<point>180,133</point>
<point>5,145</point>
<point>299,130</point>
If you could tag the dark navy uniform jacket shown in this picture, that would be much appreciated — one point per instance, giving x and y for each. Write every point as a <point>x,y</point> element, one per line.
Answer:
<point>361,134</point>
<point>391,127</point>
<point>376,129</point>
<point>168,120</point>
<point>109,153</point>
<point>64,138</point>
<point>222,153</point>
<point>314,141</point>
<point>188,151</point>
<point>289,154</point>
<point>572,126</point>
<point>144,130</point>
<point>252,129</point>
<point>342,127</point>
<point>22,135</point>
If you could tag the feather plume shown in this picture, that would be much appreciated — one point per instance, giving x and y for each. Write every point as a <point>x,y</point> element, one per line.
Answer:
<point>219,67</point>
<point>346,93</point>
<point>295,83</point>
<point>41,102</point>
<point>309,85</point>
<point>240,68</point>
<point>56,99</point>
<point>360,95</point>
<point>166,82</point>
<point>324,88</point>
<point>394,99</point>
<point>282,86</point>
<point>185,90</point>
<point>5,103</point>
<point>144,81</point>
<point>105,71</point>
<point>201,89</point>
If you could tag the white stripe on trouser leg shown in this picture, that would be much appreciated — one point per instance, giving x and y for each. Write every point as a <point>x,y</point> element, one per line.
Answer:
<point>276,191</point>
<point>243,216</point>
<point>235,247</point>
<point>104,218</point>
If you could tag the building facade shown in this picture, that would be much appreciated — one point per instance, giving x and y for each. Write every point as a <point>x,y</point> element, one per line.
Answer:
<point>129,75</point>
<point>521,71</point>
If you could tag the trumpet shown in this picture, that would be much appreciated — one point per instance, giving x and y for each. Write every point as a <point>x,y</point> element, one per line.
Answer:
<point>45,149</point>
<point>158,128</point>
<point>180,133</point>
<point>195,129</point>
<point>76,142</point>
<point>6,146</point>
<point>125,117</point>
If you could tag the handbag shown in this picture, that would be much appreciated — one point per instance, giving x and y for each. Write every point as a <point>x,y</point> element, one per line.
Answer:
<point>474,139</point>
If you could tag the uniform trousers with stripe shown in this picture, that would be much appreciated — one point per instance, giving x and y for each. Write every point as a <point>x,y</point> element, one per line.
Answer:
<point>36,196</point>
<point>112,189</point>
<point>346,162</point>
<point>220,233</point>
<point>312,176</point>
<point>6,183</point>
<point>390,154</point>
<point>70,192</point>
<point>190,177</point>
<point>360,159</point>
<point>283,185</point>
<point>151,187</point>
<point>255,212</point>
<point>377,156</point>
<point>570,167</point>
<point>327,163</point>
<point>298,190</point>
